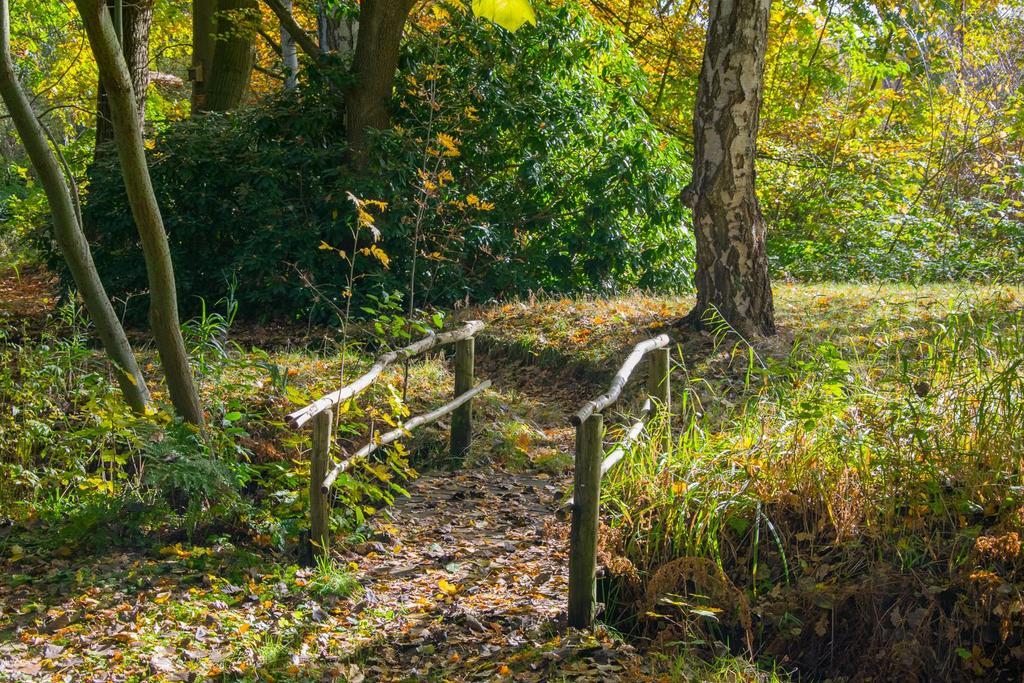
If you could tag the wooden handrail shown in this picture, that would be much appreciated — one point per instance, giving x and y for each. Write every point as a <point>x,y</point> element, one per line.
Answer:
<point>303,415</point>
<point>619,380</point>
<point>591,465</point>
<point>619,452</point>
<point>395,434</point>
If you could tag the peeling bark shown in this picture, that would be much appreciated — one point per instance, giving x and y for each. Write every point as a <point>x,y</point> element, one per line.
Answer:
<point>732,264</point>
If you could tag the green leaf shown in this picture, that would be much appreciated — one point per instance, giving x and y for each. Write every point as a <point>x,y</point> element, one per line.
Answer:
<point>509,14</point>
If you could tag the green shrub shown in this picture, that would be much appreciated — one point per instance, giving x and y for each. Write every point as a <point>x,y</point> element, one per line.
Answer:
<point>558,181</point>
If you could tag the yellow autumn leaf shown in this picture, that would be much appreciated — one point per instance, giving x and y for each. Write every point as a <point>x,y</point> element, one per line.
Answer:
<point>447,587</point>
<point>509,14</point>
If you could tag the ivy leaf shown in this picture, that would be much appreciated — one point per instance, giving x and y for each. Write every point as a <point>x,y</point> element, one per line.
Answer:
<point>509,14</point>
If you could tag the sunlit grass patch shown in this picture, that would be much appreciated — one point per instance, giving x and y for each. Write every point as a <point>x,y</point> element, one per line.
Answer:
<point>881,448</point>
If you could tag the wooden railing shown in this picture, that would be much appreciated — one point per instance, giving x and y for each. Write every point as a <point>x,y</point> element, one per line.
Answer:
<point>592,464</point>
<point>324,470</point>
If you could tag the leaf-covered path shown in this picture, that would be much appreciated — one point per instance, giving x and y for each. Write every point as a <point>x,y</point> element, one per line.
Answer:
<point>475,564</point>
<point>464,580</point>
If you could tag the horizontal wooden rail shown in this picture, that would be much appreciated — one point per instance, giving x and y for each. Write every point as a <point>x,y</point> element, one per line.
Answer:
<point>620,379</point>
<point>322,414</point>
<point>303,415</point>
<point>395,434</point>
<point>619,452</point>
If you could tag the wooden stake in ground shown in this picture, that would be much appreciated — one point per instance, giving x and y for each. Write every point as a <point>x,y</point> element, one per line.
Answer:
<point>319,498</point>
<point>583,532</point>
<point>163,299</point>
<point>462,418</point>
<point>67,227</point>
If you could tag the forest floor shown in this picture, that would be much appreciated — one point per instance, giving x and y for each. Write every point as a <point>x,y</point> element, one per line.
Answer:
<point>464,578</point>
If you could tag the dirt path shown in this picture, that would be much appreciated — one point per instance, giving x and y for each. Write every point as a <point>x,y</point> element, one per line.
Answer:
<point>476,567</point>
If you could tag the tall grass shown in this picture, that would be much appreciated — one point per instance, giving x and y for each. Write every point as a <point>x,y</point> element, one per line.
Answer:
<point>900,446</point>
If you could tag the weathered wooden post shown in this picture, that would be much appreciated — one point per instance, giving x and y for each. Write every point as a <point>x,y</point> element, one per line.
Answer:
<point>319,500</point>
<point>659,373</point>
<point>462,418</point>
<point>586,492</point>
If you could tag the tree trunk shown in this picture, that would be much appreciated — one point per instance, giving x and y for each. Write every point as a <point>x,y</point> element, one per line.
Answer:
<point>234,55</point>
<point>68,228</point>
<point>732,264</point>
<point>136,22</point>
<point>337,32</point>
<point>289,54</point>
<point>163,300</point>
<point>381,23</point>
<point>223,53</point>
<point>203,12</point>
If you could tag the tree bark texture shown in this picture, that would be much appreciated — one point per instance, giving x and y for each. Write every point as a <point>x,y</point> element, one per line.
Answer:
<point>374,64</point>
<point>336,33</point>
<point>223,53</point>
<point>289,54</point>
<point>137,21</point>
<point>732,264</point>
<point>203,12</point>
<point>68,228</point>
<point>163,300</point>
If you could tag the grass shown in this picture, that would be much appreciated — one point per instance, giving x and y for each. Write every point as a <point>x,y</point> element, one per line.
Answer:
<point>330,579</point>
<point>872,465</point>
<point>851,487</point>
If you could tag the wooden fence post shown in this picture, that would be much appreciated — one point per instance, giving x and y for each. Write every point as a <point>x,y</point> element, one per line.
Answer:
<point>585,510</point>
<point>319,500</point>
<point>659,373</point>
<point>462,418</point>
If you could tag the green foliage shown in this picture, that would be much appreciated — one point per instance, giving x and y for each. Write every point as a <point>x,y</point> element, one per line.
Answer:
<point>179,464</point>
<point>75,455</point>
<point>554,180</point>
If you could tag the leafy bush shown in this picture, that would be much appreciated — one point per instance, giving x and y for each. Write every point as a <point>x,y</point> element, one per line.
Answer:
<point>866,220</point>
<point>519,162</point>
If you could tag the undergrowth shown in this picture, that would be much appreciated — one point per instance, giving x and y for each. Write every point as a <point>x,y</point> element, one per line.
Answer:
<point>851,507</point>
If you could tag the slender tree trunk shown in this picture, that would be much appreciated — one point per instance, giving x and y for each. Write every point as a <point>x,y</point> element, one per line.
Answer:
<point>732,264</point>
<point>296,32</point>
<point>289,54</point>
<point>136,23</point>
<point>234,54</point>
<point>68,228</point>
<point>381,23</point>
<point>163,301</point>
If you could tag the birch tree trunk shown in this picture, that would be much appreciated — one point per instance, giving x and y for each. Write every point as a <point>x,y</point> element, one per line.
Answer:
<point>163,300</point>
<point>289,54</point>
<point>732,264</point>
<point>335,33</point>
<point>137,21</point>
<point>68,228</point>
